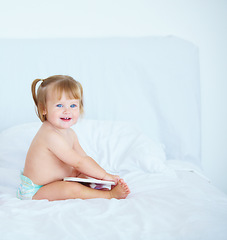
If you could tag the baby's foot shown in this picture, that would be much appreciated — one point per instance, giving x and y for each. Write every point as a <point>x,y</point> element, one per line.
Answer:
<point>120,191</point>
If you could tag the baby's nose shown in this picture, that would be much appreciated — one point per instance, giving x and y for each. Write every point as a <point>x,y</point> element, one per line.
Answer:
<point>66,109</point>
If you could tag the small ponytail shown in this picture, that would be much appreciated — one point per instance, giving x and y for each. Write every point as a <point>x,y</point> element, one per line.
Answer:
<point>33,89</point>
<point>39,98</point>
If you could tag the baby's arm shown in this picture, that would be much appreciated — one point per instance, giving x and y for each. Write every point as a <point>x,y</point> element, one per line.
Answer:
<point>84,164</point>
<point>79,149</point>
<point>76,145</point>
<point>110,177</point>
<point>89,167</point>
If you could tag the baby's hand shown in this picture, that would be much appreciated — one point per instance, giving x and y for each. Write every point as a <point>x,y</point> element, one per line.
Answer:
<point>110,177</point>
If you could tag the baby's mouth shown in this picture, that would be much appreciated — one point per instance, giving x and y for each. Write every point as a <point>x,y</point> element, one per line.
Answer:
<point>66,119</point>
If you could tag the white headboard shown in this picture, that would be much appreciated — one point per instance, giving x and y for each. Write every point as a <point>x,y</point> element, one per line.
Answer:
<point>152,81</point>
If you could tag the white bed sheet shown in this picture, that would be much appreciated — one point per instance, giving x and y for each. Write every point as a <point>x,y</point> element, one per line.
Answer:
<point>168,200</point>
<point>160,207</point>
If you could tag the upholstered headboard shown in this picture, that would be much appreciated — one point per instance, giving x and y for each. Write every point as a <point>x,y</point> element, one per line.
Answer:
<point>151,81</point>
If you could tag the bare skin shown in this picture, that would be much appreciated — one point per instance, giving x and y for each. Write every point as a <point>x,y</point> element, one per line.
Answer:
<point>61,190</point>
<point>55,153</point>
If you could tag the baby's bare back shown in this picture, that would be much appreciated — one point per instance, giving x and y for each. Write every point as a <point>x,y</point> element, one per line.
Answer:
<point>41,165</point>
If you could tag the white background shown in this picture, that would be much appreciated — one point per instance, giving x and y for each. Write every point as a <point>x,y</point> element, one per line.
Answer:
<point>203,22</point>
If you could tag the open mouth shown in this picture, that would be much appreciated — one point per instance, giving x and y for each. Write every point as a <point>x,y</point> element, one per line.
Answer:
<point>66,119</point>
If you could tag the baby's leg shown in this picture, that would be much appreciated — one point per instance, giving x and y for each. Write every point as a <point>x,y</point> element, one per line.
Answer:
<point>61,190</point>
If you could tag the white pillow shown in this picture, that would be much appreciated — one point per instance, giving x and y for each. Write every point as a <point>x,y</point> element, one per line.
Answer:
<point>120,146</point>
<point>116,146</point>
<point>14,144</point>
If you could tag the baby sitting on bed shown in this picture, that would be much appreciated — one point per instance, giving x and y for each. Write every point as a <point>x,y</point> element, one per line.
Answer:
<point>55,152</point>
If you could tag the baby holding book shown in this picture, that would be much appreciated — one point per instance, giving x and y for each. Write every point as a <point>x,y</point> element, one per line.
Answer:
<point>55,152</point>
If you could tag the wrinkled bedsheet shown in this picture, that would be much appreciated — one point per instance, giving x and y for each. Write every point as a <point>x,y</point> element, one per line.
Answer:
<point>170,199</point>
<point>181,205</point>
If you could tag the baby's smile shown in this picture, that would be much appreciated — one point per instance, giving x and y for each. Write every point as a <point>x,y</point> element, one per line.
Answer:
<point>66,119</point>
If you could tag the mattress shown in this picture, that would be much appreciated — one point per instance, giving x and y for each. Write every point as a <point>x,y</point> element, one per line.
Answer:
<point>168,199</point>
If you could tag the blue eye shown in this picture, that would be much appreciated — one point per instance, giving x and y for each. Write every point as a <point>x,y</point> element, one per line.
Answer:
<point>73,105</point>
<point>60,105</point>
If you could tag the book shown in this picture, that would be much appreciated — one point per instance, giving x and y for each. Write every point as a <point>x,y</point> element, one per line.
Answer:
<point>89,180</point>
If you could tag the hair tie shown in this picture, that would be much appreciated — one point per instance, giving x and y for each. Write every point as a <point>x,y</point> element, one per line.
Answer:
<point>42,81</point>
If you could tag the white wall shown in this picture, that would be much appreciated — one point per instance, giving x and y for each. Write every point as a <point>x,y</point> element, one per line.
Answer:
<point>203,22</point>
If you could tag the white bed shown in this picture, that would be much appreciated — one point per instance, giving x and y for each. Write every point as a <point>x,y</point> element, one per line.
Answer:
<point>142,121</point>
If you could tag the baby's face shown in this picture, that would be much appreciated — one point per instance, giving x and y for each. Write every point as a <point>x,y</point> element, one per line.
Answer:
<point>62,113</point>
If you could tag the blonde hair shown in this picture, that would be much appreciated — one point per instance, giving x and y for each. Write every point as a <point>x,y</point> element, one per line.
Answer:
<point>58,84</point>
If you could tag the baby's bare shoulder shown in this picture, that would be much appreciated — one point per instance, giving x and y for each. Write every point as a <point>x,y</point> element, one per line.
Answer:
<point>47,134</point>
<point>46,130</point>
<point>72,133</point>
